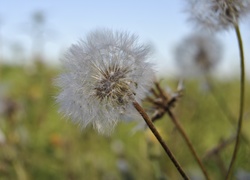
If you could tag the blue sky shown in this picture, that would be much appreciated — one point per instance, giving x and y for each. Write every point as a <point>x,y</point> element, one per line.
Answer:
<point>162,23</point>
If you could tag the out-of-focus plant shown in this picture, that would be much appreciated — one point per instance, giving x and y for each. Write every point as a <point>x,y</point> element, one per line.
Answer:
<point>198,55</point>
<point>221,15</point>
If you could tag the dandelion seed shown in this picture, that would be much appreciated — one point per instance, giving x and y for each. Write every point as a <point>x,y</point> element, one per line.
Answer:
<point>217,15</point>
<point>198,54</point>
<point>105,73</point>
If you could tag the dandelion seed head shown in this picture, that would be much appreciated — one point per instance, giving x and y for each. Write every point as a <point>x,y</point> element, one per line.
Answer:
<point>198,54</point>
<point>104,74</point>
<point>216,15</point>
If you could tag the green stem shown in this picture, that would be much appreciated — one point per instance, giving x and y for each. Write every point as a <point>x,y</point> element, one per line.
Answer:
<point>159,138</point>
<point>242,94</point>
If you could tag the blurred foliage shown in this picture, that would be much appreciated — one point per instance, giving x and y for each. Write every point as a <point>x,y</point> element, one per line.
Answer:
<point>38,143</point>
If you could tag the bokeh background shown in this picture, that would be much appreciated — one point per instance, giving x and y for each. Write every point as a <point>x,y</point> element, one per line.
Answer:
<point>38,143</point>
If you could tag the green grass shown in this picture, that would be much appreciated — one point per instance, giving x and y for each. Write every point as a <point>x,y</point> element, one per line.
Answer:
<point>41,144</point>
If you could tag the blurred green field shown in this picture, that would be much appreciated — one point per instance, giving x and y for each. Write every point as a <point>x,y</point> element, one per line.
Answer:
<point>38,143</point>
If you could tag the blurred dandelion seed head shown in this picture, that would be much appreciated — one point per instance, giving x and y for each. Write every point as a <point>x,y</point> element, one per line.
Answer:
<point>217,15</point>
<point>198,54</point>
<point>104,74</point>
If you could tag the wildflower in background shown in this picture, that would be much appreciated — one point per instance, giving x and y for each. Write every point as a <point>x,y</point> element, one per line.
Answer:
<point>198,54</point>
<point>104,74</point>
<point>217,14</point>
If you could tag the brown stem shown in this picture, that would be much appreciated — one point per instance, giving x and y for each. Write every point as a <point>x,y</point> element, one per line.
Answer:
<point>166,108</point>
<point>154,92</point>
<point>189,144</point>
<point>159,138</point>
<point>162,93</point>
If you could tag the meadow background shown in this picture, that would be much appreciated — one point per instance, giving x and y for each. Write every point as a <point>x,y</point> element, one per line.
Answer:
<point>38,143</point>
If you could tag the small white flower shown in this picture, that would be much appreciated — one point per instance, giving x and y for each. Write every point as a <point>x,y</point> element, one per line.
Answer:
<point>198,54</point>
<point>104,74</point>
<point>217,14</point>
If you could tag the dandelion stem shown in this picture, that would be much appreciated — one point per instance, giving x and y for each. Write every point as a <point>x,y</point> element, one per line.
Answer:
<point>189,144</point>
<point>167,109</point>
<point>159,138</point>
<point>242,94</point>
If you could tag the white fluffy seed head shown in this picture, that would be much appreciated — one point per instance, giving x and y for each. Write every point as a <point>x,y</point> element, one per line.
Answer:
<point>198,54</point>
<point>216,15</point>
<point>104,74</point>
